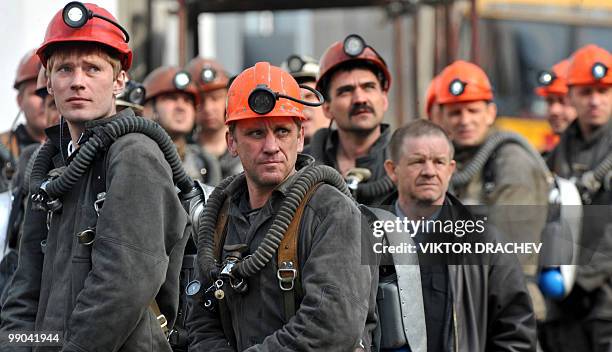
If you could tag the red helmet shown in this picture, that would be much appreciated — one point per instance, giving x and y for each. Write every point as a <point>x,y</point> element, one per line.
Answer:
<point>263,91</point>
<point>28,68</point>
<point>93,24</point>
<point>555,82</point>
<point>169,79</point>
<point>590,65</point>
<point>430,96</point>
<point>352,49</point>
<point>461,82</point>
<point>207,74</point>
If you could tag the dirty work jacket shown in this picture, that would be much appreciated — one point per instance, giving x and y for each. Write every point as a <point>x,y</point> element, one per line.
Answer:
<point>324,147</point>
<point>98,296</point>
<point>492,310</point>
<point>336,287</point>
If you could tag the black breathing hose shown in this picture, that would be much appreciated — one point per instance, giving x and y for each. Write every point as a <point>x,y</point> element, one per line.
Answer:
<point>101,138</point>
<point>478,162</point>
<point>370,190</point>
<point>307,178</point>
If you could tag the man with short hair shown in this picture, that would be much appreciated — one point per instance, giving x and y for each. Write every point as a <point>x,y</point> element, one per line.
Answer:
<point>305,69</point>
<point>310,292</point>
<point>584,318</point>
<point>355,81</point>
<point>172,104</point>
<point>212,81</point>
<point>99,267</point>
<point>553,88</point>
<point>483,306</point>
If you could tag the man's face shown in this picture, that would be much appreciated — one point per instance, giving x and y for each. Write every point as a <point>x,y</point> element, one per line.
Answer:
<point>468,123</point>
<point>560,112</point>
<point>424,170</point>
<point>211,110</point>
<point>84,87</point>
<point>267,148</point>
<point>593,104</point>
<point>176,112</point>
<point>315,117</point>
<point>52,116</point>
<point>32,106</point>
<point>356,101</point>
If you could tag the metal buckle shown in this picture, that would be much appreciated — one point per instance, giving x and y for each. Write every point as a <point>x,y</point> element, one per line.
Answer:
<point>100,198</point>
<point>283,281</point>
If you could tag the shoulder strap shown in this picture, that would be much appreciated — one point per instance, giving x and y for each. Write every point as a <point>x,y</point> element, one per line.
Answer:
<point>287,258</point>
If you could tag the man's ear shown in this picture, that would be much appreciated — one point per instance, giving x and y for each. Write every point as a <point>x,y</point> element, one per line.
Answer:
<point>119,84</point>
<point>491,113</point>
<point>300,146</point>
<point>231,144</point>
<point>326,110</point>
<point>390,170</point>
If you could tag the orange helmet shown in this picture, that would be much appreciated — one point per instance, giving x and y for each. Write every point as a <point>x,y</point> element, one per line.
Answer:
<point>463,81</point>
<point>554,82</point>
<point>78,22</point>
<point>169,79</point>
<point>353,49</point>
<point>41,83</point>
<point>430,96</point>
<point>207,74</point>
<point>266,91</point>
<point>590,65</point>
<point>28,68</point>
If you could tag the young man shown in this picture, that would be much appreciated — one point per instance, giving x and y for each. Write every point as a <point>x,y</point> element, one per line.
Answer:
<point>212,80</point>
<point>323,305</point>
<point>553,88</point>
<point>171,103</point>
<point>355,84</point>
<point>104,276</point>
<point>584,322</point>
<point>478,307</point>
<point>305,69</point>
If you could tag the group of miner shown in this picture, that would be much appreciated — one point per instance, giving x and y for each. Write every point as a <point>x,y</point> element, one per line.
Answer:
<point>200,211</point>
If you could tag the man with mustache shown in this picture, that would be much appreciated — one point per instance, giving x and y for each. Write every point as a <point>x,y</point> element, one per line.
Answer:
<point>584,319</point>
<point>512,183</point>
<point>171,103</point>
<point>355,81</point>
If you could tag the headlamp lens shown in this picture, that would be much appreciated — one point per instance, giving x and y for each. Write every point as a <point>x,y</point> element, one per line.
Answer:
<point>208,74</point>
<point>181,80</point>
<point>545,78</point>
<point>599,70</point>
<point>353,45</point>
<point>456,87</point>
<point>262,100</point>
<point>137,95</point>
<point>74,14</point>
<point>295,63</point>
<point>193,288</point>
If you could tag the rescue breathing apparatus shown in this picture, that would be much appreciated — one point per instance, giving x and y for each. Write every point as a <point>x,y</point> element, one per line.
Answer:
<point>47,193</point>
<point>234,270</point>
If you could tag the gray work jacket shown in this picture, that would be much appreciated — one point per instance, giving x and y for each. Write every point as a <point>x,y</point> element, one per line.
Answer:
<point>98,296</point>
<point>338,291</point>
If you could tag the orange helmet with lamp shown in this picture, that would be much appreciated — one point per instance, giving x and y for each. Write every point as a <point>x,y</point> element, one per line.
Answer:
<point>207,74</point>
<point>590,65</point>
<point>463,81</point>
<point>555,81</point>
<point>266,91</point>
<point>169,79</point>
